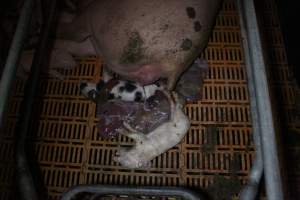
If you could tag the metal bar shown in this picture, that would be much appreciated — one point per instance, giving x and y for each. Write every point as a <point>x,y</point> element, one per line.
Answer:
<point>143,191</point>
<point>260,99</point>
<point>9,72</point>
<point>25,179</point>
<point>250,191</point>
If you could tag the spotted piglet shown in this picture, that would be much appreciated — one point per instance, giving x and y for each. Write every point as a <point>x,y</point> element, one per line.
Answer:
<point>118,89</point>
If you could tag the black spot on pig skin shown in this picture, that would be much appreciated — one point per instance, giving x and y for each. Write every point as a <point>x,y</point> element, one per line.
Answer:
<point>129,87</point>
<point>164,27</point>
<point>191,12</point>
<point>111,96</point>
<point>138,96</point>
<point>82,85</point>
<point>186,44</point>
<point>100,85</point>
<point>92,94</point>
<point>121,89</point>
<point>197,26</point>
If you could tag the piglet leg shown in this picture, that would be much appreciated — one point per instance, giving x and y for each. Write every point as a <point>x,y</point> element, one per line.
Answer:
<point>61,56</point>
<point>156,142</point>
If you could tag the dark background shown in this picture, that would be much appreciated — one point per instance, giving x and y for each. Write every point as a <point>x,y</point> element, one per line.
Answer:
<point>289,13</point>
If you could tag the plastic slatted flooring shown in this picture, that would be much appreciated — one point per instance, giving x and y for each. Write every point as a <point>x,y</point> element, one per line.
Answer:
<point>216,154</point>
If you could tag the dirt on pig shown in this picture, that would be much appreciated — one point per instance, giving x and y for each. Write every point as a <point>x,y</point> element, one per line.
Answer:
<point>133,52</point>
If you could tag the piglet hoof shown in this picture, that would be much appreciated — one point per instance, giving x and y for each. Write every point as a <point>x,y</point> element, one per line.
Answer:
<point>153,144</point>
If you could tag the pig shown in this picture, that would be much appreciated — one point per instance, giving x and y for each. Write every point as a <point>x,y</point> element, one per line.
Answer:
<point>142,41</point>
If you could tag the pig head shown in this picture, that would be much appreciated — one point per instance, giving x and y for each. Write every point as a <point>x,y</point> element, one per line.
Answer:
<point>142,41</point>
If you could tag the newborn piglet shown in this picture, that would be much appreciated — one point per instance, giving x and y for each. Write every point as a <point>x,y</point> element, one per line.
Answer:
<point>144,108</point>
<point>118,89</point>
<point>148,146</point>
<point>155,121</point>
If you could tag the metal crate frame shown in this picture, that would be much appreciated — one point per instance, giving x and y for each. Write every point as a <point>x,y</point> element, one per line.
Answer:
<point>263,126</point>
